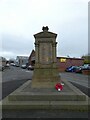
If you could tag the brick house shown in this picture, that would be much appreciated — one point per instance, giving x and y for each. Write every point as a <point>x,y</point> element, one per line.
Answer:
<point>62,62</point>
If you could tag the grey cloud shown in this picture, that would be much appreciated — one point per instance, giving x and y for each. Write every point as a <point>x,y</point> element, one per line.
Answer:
<point>16,45</point>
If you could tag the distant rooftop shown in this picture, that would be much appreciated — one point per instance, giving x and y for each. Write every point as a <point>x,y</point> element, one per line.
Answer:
<point>22,57</point>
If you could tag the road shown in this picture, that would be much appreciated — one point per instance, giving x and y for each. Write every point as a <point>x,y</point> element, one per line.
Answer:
<point>79,80</point>
<point>16,73</point>
<point>76,78</point>
<point>13,78</point>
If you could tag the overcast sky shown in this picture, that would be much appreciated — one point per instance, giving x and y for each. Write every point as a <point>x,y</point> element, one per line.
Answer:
<point>21,19</point>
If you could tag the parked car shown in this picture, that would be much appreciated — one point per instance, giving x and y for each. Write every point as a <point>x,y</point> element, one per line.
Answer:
<point>2,67</point>
<point>23,66</point>
<point>7,65</point>
<point>78,70</point>
<point>71,69</point>
<point>16,65</point>
<point>30,67</point>
<point>12,64</point>
<point>86,67</point>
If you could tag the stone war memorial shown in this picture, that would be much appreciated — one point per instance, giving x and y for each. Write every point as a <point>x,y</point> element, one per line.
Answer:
<point>46,74</point>
<point>40,93</point>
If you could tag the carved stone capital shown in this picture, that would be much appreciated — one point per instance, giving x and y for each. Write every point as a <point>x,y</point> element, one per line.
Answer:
<point>36,44</point>
<point>54,44</point>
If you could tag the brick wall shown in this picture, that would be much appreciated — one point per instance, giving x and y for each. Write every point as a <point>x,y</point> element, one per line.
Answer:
<point>62,65</point>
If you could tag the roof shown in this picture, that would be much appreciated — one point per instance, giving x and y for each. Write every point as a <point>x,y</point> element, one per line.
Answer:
<point>32,53</point>
<point>70,58</point>
<point>22,57</point>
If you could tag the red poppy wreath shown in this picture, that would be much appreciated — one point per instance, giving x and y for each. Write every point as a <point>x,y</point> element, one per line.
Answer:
<point>59,86</point>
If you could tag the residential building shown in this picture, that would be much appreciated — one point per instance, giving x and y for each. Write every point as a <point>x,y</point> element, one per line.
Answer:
<point>3,61</point>
<point>21,60</point>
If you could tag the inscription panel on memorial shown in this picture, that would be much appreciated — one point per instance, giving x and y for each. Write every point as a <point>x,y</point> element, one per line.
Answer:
<point>45,53</point>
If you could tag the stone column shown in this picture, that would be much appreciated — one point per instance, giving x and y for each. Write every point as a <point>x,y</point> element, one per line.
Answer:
<point>36,54</point>
<point>54,52</point>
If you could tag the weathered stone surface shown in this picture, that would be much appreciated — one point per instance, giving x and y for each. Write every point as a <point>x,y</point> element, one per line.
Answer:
<point>45,78</point>
<point>26,98</point>
<point>45,73</point>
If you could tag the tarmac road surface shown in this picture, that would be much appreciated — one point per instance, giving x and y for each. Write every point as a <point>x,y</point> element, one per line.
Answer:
<point>16,73</point>
<point>13,78</point>
<point>79,80</point>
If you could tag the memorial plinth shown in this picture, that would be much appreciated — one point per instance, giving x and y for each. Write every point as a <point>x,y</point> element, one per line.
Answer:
<point>27,98</point>
<point>45,72</point>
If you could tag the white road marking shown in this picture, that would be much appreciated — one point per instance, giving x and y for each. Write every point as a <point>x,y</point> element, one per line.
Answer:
<point>27,71</point>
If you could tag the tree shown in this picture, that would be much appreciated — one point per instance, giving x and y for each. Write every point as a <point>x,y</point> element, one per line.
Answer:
<point>86,59</point>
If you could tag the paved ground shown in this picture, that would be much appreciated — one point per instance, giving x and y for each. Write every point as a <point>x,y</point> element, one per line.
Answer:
<point>20,76</point>
<point>13,78</point>
<point>79,80</point>
<point>8,87</point>
<point>16,73</point>
<point>76,78</point>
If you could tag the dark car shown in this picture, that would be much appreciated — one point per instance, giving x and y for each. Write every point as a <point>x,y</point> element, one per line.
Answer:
<point>2,67</point>
<point>71,69</point>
